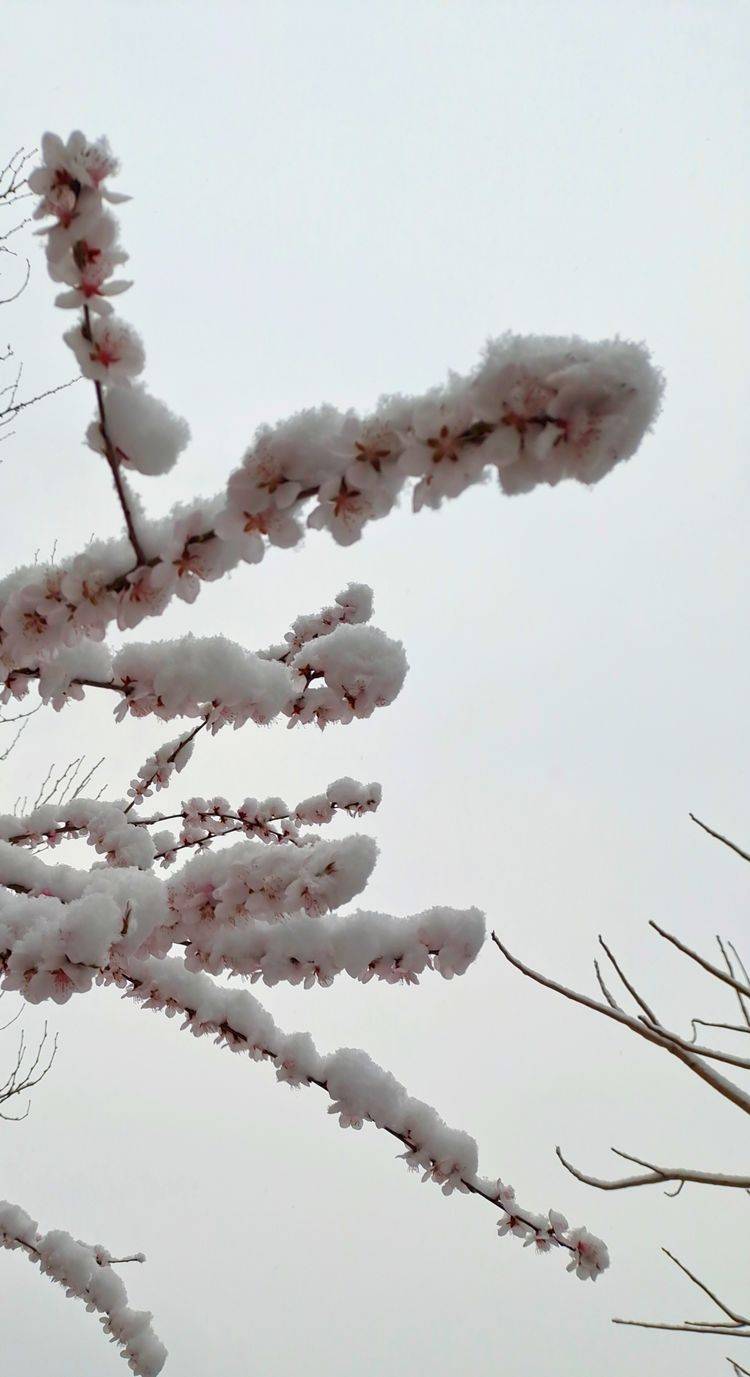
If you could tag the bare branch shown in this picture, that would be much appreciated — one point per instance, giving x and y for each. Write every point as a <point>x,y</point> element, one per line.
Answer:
<point>6,300</point>
<point>612,1002</point>
<point>700,960</point>
<point>737,1326</point>
<point>655,1176</point>
<point>4,754</point>
<point>628,986</point>
<point>740,999</point>
<point>9,413</point>
<point>722,1330</point>
<point>24,1078</point>
<point>19,716</point>
<point>732,1314</point>
<point>670,1042</point>
<point>724,840</point>
<point>705,1023</point>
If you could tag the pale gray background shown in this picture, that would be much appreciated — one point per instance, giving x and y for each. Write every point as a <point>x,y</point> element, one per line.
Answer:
<point>334,200</point>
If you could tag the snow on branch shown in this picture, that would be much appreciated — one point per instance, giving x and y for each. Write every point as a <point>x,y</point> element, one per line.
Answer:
<point>535,411</point>
<point>360,1091</point>
<point>105,825</point>
<point>357,668</point>
<point>363,945</point>
<point>85,1273</point>
<point>247,910</point>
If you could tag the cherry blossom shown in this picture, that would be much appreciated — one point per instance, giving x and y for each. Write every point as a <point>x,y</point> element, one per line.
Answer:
<point>173,916</point>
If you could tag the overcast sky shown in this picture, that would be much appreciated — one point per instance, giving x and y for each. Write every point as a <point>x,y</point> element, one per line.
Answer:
<point>334,200</point>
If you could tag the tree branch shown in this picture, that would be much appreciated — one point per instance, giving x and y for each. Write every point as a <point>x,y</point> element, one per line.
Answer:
<point>655,1176</point>
<point>111,456</point>
<point>658,1036</point>
<point>724,840</point>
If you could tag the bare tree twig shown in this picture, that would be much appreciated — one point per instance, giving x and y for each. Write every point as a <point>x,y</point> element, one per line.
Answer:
<point>705,1023</point>
<point>655,1175</point>
<point>701,960</point>
<point>628,986</point>
<point>724,840</point>
<point>732,1314</point>
<point>740,998</point>
<point>670,1042</point>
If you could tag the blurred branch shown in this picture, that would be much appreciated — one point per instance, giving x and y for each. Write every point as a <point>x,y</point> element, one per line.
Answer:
<point>724,840</point>
<point>24,1077</point>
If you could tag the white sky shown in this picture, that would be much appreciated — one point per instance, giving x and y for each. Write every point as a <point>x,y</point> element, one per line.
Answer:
<point>334,200</point>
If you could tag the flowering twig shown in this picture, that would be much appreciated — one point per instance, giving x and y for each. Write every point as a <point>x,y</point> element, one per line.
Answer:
<point>110,453</point>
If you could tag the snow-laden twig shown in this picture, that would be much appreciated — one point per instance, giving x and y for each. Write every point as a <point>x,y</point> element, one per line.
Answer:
<point>360,1092</point>
<point>85,1273</point>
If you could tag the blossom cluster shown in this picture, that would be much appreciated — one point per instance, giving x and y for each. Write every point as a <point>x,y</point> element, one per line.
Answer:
<point>250,880</point>
<point>536,410</point>
<point>203,820</point>
<point>246,910</point>
<point>54,944</point>
<point>85,1272</point>
<point>363,945</point>
<point>360,667</point>
<point>104,825</point>
<point>84,252</point>
<point>119,834</point>
<point>336,669</point>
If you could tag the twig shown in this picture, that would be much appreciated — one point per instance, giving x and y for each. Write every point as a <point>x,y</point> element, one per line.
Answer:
<point>658,1036</point>
<point>655,1176</point>
<point>724,840</point>
<point>111,456</point>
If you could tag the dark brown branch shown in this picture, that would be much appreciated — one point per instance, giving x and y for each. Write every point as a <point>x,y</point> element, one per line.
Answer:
<point>111,456</point>
<point>181,744</point>
<point>724,840</point>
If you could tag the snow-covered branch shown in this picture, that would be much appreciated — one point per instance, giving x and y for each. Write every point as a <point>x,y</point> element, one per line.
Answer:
<point>360,1092</point>
<point>358,668</point>
<point>535,411</point>
<point>85,1273</point>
